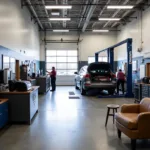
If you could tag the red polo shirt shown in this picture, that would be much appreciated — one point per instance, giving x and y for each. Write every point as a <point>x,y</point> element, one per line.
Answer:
<point>120,76</point>
<point>53,74</point>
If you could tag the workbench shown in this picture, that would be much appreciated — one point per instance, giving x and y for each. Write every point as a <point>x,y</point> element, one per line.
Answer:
<point>22,105</point>
<point>44,84</point>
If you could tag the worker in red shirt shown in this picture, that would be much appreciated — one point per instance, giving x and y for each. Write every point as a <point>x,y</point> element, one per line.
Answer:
<point>53,78</point>
<point>120,80</point>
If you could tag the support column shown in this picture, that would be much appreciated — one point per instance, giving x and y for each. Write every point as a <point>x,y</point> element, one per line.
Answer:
<point>108,55</point>
<point>129,69</point>
<point>111,58</point>
<point>96,57</point>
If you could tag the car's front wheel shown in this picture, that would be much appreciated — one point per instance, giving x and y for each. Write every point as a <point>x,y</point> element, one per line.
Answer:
<point>83,92</point>
<point>76,85</point>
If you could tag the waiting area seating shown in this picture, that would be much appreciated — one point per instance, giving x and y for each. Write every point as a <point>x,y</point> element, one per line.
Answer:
<point>134,121</point>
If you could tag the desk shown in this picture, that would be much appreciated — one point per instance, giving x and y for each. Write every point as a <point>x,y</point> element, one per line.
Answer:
<point>22,105</point>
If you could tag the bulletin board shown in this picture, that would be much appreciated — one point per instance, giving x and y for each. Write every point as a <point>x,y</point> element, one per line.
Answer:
<point>134,65</point>
<point>142,71</point>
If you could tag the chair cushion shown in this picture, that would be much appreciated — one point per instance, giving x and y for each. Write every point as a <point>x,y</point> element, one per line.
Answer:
<point>128,120</point>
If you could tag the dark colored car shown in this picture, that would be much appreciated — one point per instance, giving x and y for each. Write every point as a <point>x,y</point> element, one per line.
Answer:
<point>97,75</point>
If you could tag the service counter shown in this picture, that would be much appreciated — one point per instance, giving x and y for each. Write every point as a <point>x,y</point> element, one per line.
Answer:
<point>22,105</point>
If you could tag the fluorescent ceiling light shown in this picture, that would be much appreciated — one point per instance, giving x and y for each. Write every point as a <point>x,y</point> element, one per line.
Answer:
<point>58,7</point>
<point>60,30</point>
<point>109,19</point>
<point>100,30</point>
<point>55,13</point>
<point>120,7</point>
<point>59,19</point>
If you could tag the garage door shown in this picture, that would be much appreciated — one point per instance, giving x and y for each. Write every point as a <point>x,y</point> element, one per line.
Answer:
<point>64,57</point>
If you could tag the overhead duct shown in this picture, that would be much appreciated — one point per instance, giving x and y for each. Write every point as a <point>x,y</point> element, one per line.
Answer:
<point>34,13</point>
<point>43,2</point>
<point>64,12</point>
<point>83,12</point>
<point>89,15</point>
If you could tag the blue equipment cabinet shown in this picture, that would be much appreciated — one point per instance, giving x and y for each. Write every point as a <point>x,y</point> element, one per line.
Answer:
<point>3,112</point>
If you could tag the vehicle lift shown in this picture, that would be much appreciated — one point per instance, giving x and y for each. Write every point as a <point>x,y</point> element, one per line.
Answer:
<point>110,55</point>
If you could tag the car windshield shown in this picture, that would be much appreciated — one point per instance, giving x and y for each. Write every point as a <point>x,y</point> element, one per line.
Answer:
<point>100,69</point>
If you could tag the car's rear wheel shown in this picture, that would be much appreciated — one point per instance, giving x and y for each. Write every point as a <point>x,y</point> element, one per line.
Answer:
<point>83,92</point>
<point>111,91</point>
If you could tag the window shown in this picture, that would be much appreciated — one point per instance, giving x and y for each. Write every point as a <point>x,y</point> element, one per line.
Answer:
<point>100,59</point>
<point>12,64</point>
<point>6,62</point>
<point>65,61</point>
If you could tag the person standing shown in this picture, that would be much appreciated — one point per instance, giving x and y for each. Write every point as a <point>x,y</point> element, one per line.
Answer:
<point>53,79</point>
<point>120,80</point>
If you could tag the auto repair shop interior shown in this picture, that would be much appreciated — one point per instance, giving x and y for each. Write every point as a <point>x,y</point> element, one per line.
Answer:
<point>74,75</point>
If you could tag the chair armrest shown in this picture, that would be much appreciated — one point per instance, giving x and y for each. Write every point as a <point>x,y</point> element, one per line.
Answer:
<point>144,124</point>
<point>130,108</point>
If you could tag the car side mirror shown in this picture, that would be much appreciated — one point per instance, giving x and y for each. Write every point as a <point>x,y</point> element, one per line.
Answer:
<point>75,72</point>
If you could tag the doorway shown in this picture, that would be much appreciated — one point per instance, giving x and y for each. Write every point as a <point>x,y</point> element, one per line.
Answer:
<point>148,69</point>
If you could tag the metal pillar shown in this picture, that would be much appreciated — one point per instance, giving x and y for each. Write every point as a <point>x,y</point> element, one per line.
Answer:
<point>108,55</point>
<point>96,57</point>
<point>111,58</point>
<point>129,68</point>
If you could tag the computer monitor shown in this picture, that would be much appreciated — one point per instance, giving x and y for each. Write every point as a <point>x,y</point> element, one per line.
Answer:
<point>1,76</point>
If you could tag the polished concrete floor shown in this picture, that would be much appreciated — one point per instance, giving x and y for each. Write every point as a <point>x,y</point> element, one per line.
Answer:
<point>68,124</point>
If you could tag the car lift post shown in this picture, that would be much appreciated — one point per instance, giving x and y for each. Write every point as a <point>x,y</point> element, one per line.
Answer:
<point>129,68</point>
<point>110,55</point>
<point>96,57</point>
<point>111,58</point>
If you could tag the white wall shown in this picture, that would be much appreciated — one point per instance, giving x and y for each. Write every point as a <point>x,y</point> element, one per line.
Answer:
<point>133,30</point>
<point>17,32</point>
<point>90,43</point>
<point>95,42</point>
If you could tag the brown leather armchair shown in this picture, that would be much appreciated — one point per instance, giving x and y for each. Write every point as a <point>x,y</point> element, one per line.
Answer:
<point>134,121</point>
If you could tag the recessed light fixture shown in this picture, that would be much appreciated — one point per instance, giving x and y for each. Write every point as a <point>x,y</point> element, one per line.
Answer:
<point>60,30</point>
<point>120,7</point>
<point>100,30</point>
<point>58,7</point>
<point>59,19</point>
<point>109,19</point>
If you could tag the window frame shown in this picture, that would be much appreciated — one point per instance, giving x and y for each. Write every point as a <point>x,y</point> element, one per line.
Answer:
<point>68,55</point>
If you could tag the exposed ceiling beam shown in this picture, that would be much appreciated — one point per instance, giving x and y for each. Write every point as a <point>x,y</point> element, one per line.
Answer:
<point>116,12</point>
<point>64,12</point>
<point>101,12</point>
<point>43,2</point>
<point>83,12</point>
<point>89,15</point>
<point>127,12</point>
<point>34,13</point>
